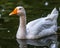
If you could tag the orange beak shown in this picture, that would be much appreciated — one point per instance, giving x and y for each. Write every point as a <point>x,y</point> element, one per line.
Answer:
<point>13,12</point>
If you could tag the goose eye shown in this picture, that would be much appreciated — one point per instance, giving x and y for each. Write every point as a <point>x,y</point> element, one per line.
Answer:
<point>19,8</point>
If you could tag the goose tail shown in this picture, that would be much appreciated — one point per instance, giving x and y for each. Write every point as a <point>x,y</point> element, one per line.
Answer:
<point>53,15</point>
<point>54,11</point>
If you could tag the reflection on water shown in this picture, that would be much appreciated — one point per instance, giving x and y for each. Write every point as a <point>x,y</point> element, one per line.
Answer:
<point>11,43</point>
<point>50,41</point>
<point>22,43</point>
<point>7,43</point>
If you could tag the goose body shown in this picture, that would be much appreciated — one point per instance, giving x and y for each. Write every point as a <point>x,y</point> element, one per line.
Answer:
<point>40,27</point>
<point>37,28</point>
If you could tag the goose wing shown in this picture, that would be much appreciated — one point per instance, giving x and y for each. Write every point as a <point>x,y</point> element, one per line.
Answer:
<point>43,26</point>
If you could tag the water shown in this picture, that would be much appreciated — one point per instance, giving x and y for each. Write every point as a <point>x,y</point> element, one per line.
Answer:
<point>11,43</point>
<point>9,25</point>
<point>8,43</point>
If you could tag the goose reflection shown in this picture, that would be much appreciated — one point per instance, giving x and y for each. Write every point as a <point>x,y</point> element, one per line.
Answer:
<point>22,43</point>
<point>49,41</point>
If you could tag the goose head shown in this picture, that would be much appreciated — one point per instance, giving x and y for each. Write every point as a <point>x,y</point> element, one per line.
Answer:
<point>18,11</point>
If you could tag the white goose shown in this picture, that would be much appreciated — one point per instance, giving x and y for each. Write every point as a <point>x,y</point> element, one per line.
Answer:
<point>37,28</point>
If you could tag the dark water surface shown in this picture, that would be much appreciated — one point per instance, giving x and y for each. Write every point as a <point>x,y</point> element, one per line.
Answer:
<point>9,24</point>
<point>11,43</point>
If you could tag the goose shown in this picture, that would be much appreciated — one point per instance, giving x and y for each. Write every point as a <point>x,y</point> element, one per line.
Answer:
<point>35,29</point>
